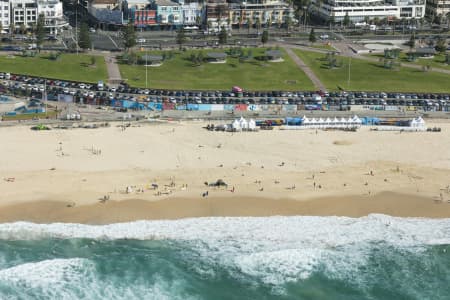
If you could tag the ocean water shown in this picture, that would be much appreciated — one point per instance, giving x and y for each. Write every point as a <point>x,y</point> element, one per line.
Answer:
<point>373,257</point>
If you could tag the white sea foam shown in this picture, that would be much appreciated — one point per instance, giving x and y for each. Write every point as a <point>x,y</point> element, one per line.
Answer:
<point>272,249</point>
<point>77,278</point>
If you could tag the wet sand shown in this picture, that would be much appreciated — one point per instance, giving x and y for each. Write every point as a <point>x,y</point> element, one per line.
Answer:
<point>393,204</point>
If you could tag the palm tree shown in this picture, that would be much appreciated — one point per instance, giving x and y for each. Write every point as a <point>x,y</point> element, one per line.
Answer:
<point>12,29</point>
<point>209,25</point>
<point>258,25</point>
<point>241,19</point>
<point>250,24</point>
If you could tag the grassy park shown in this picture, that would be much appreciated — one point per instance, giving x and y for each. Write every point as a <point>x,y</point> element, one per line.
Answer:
<point>65,67</point>
<point>372,76</point>
<point>179,72</point>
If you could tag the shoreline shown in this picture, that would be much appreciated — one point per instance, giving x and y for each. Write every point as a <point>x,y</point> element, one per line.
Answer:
<point>388,203</point>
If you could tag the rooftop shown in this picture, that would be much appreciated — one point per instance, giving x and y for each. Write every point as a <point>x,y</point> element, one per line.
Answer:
<point>152,57</point>
<point>104,2</point>
<point>166,3</point>
<point>217,55</point>
<point>273,53</point>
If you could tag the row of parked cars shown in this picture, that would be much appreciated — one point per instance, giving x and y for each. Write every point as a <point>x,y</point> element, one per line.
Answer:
<point>123,91</point>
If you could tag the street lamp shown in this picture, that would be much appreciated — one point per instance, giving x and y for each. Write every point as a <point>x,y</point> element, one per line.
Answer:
<point>76,25</point>
<point>349,67</point>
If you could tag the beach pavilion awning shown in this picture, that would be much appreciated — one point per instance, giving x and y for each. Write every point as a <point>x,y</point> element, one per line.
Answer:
<point>273,54</point>
<point>151,58</point>
<point>425,51</point>
<point>217,55</point>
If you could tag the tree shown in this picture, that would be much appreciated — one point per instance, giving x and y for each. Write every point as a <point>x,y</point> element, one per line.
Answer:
<point>128,36</point>
<point>84,40</point>
<point>198,21</point>
<point>22,29</point>
<point>412,41</point>
<point>288,23</point>
<point>209,24</point>
<point>258,25</point>
<point>269,22</point>
<point>441,45</point>
<point>249,24</point>
<point>200,58</point>
<point>93,60</point>
<point>12,29</point>
<point>1,28</point>
<point>346,20</point>
<point>265,37</point>
<point>223,36</point>
<point>312,36</point>
<point>241,20</point>
<point>40,31</point>
<point>181,37</point>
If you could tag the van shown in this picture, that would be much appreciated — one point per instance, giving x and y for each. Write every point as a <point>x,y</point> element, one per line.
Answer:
<point>100,85</point>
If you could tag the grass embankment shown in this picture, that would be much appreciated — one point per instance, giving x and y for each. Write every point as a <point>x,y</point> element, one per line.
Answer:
<point>372,76</point>
<point>179,73</point>
<point>437,61</point>
<point>48,115</point>
<point>67,67</point>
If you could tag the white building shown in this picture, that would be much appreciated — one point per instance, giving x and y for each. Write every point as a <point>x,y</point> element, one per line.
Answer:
<point>53,14</point>
<point>4,15</point>
<point>438,7</point>
<point>26,12</point>
<point>191,12</point>
<point>359,10</point>
<point>262,11</point>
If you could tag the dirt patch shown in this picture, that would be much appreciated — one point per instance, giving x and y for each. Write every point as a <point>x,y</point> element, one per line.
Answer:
<point>342,143</point>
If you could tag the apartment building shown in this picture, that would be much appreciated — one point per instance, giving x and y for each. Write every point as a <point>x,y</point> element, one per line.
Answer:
<point>26,12</point>
<point>359,10</point>
<point>4,15</point>
<point>438,8</point>
<point>266,11</point>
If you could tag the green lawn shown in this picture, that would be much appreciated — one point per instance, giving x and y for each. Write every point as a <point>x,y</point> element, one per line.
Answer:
<point>438,61</point>
<point>66,67</point>
<point>179,73</point>
<point>371,76</point>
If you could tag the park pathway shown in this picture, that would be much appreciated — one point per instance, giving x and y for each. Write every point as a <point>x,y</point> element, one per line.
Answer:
<point>114,76</point>
<point>315,80</point>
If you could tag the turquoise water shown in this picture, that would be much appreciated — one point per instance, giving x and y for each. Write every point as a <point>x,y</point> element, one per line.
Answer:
<point>375,257</point>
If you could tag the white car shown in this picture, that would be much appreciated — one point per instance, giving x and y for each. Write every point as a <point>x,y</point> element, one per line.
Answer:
<point>112,89</point>
<point>82,86</point>
<point>66,91</point>
<point>140,40</point>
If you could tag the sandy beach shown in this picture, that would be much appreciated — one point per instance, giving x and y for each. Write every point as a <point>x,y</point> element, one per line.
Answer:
<point>109,175</point>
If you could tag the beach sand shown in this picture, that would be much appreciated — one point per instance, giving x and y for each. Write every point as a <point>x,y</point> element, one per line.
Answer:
<point>62,175</point>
